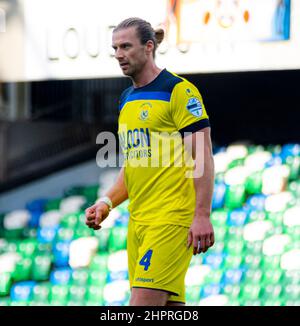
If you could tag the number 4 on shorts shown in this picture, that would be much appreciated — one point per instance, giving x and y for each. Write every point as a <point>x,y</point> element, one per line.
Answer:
<point>145,261</point>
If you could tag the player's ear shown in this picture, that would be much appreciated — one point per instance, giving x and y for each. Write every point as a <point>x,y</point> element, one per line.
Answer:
<point>149,47</point>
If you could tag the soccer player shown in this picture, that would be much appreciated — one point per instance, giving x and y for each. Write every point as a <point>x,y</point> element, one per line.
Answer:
<point>169,211</point>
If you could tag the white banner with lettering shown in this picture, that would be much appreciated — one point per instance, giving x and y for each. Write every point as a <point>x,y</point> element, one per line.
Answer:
<point>61,39</point>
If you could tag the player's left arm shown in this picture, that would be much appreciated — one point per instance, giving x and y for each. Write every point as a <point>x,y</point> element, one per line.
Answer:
<point>201,233</point>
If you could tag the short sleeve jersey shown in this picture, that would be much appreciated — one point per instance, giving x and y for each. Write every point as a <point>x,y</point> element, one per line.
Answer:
<point>153,120</point>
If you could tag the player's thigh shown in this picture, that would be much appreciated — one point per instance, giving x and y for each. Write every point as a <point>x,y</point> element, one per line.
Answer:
<point>148,297</point>
<point>163,260</point>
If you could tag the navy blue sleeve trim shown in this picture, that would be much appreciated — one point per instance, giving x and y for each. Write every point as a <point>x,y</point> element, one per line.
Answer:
<point>195,126</point>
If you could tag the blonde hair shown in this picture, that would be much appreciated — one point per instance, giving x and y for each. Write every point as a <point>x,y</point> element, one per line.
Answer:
<point>144,30</point>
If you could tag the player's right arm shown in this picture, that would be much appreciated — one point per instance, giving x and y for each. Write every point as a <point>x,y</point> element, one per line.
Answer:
<point>97,213</point>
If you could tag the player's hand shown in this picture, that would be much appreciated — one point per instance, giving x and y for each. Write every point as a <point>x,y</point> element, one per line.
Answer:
<point>201,235</point>
<point>95,215</point>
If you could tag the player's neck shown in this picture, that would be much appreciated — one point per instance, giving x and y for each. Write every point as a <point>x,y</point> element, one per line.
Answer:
<point>146,76</point>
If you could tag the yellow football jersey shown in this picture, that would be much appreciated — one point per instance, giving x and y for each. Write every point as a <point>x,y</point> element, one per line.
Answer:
<point>153,120</point>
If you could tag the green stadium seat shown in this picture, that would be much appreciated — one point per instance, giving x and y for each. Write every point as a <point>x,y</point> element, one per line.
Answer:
<point>91,192</point>
<point>254,247</point>
<point>271,262</point>
<point>220,233</point>
<point>41,267</point>
<point>235,233</point>
<point>4,301</point>
<point>235,163</point>
<point>27,247</point>
<point>234,247</point>
<point>117,239</point>
<point>271,291</point>
<point>5,283</point>
<point>52,204</point>
<point>83,231</point>
<point>192,294</point>
<point>64,234</point>
<point>219,217</point>
<point>70,220</point>
<point>253,183</point>
<point>294,188</point>
<point>276,218</point>
<point>99,262</point>
<point>250,292</point>
<point>232,291</point>
<point>272,276</point>
<point>293,162</point>
<point>73,191</point>
<point>29,232</point>
<point>253,276</point>
<point>77,293</point>
<point>80,277</point>
<point>214,277</point>
<point>59,295</point>
<point>97,278</point>
<point>103,236</point>
<point>291,292</point>
<point>94,295</point>
<point>22,270</point>
<point>235,196</point>
<point>252,261</point>
<point>41,292</point>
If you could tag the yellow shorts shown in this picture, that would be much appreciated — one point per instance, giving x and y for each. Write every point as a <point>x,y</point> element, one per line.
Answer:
<point>158,258</point>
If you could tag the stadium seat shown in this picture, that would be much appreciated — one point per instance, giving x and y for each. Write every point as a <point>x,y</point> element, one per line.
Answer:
<point>117,238</point>
<point>80,277</point>
<point>253,276</point>
<point>22,270</point>
<point>61,254</point>
<point>59,295</point>
<point>115,293</point>
<point>214,277</point>
<point>218,195</point>
<point>98,278</point>
<point>214,260</point>
<point>210,290</point>
<point>50,218</point>
<point>82,250</point>
<point>52,204</point>
<point>22,291</point>
<point>61,276</point>
<point>41,267</point>
<point>41,291</point>
<point>237,217</point>
<point>94,295</point>
<point>46,234</point>
<point>5,283</point>
<point>77,294</point>
<point>71,204</point>
<point>192,294</point>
